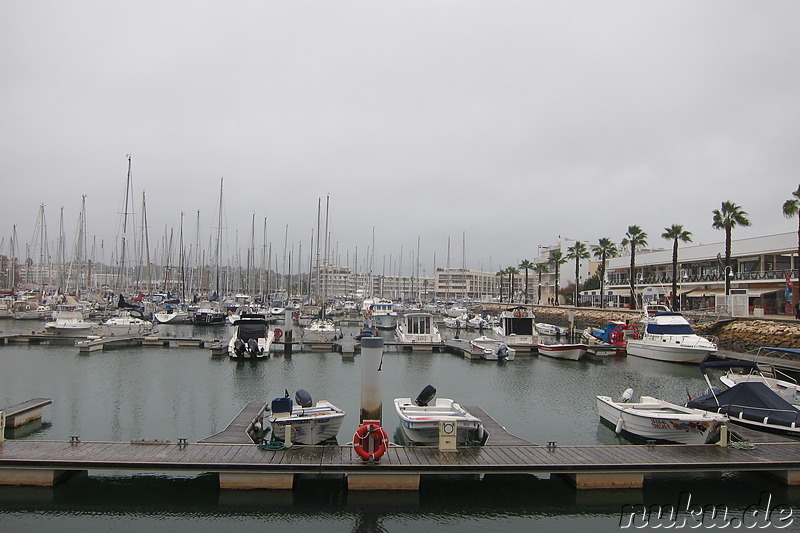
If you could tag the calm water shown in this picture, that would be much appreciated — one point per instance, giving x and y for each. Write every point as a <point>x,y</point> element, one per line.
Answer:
<point>156,393</point>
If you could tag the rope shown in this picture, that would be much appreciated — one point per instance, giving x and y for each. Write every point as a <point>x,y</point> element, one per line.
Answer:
<point>742,445</point>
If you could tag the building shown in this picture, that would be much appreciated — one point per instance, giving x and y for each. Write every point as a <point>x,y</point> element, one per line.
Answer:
<point>763,271</point>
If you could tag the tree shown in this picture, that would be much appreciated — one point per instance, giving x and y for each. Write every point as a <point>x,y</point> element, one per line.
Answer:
<point>577,252</point>
<point>727,218</point>
<point>557,259</point>
<point>791,208</point>
<point>526,265</point>
<point>501,274</point>
<point>676,233</point>
<point>634,238</point>
<point>602,251</point>
<point>540,268</point>
<point>511,271</point>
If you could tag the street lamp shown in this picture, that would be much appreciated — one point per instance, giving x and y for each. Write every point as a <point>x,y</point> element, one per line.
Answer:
<point>728,275</point>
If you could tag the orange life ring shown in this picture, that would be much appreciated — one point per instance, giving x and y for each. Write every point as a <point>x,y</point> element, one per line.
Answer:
<point>278,334</point>
<point>370,442</point>
<point>517,314</point>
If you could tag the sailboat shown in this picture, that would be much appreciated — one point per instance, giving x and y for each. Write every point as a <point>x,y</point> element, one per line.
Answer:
<point>321,328</point>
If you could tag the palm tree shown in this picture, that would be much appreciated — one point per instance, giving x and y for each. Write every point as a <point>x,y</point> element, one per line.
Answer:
<point>540,268</point>
<point>511,271</point>
<point>791,208</point>
<point>634,238</point>
<point>676,233</point>
<point>526,265</point>
<point>577,252</point>
<point>727,218</point>
<point>557,259</point>
<point>604,249</point>
<point>501,274</point>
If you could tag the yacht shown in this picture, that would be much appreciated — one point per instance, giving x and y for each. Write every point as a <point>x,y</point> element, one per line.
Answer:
<point>417,327</point>
<point>668,336</point>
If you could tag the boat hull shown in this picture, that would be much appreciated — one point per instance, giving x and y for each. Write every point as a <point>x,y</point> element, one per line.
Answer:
<point>571,352</point>
<point>654,421</point>
<point>420,424</point>
<point>664,351</point>
<point>312,425</point>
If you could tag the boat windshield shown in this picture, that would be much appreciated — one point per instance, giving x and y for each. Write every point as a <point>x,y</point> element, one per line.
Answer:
<point>670,329</point>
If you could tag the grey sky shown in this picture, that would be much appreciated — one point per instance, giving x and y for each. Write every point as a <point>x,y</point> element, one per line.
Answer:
<point>509,122</point>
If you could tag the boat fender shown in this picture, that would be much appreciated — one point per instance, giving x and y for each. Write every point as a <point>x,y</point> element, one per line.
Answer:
<point>278,334</point>
<point>252,347</point>
<point>619,426</point>
<point>425,396</point>
<point>370,442</point>
<point>239,347</point>
<point>303,398</point>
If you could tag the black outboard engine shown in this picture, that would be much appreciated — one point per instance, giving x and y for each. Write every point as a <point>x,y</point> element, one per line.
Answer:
<point>502,351</point>
<point>425,396</point>
<point>252,347</point>
<point>239,347</point>
<point>303,398</point>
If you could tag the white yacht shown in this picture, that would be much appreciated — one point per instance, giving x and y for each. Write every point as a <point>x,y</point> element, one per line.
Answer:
<point>417,327</point>
<point>668,336</point>
<point>128,323</point>
<point>516,327</point>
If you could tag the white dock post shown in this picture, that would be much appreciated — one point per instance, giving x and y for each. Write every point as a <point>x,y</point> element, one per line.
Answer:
<point>371,379</point>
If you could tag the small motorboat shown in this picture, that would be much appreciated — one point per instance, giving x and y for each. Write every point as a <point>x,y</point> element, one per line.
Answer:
<point>782,384</point>
<point>570,351</point>
<point>749,403</point>
<point>419,419</point>
<point>543,328</point>
<point>129,322</point>
<point>311,423</point>
<point>668,336</point>
<point>659,420</point>
<point>492,349</point>
<point>614,334</point>
<point>252,338</point>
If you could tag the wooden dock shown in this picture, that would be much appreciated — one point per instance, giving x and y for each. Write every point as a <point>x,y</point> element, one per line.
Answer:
<point>22,413</point>
<point>241,464</point>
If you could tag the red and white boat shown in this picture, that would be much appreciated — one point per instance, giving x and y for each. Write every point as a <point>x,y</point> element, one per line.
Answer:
<point>572,352</point>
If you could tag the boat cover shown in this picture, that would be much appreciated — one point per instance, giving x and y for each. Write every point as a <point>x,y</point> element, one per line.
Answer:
<point>750,400</point>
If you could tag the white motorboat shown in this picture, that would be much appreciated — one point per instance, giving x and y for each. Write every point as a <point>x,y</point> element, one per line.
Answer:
<point>208,314</point>
<point>129,323</point>
<point>749,403</point>
<point>516,327</point>
<point>251,338</point>
<point>311,423</point>
<point>466,321</point>
<point>492,349</point>
<point>381,314</point>
<point>417,327</point>
<point>321,330</point>
<point>419,420</point>
<point>780,383</point>
<point>668,336</point>
<point>542,328</point>
<point>654,419</point>
<point>570,351</point>
<point>69,322</point>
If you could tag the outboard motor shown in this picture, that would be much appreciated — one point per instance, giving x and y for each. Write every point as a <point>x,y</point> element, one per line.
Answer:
<point>303,398</point>
<point>626,396</point>
<point>425,396</point>
<point>252,347</point>
<point>502,351</point>
<point>239,347</point>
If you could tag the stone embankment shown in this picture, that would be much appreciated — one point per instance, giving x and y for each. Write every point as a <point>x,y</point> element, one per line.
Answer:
<point>737,335</point>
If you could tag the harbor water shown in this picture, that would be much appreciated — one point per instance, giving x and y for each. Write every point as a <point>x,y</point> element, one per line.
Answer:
<point>171,393</point>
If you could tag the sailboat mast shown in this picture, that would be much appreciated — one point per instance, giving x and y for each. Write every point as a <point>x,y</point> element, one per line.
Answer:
<point>219,234</point>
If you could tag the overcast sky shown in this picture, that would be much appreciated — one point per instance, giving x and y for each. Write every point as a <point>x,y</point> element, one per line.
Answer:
<point>503,123</point>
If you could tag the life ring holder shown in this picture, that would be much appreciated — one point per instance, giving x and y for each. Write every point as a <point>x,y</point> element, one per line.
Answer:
<point>278,333</point>
<point>380,441</point>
